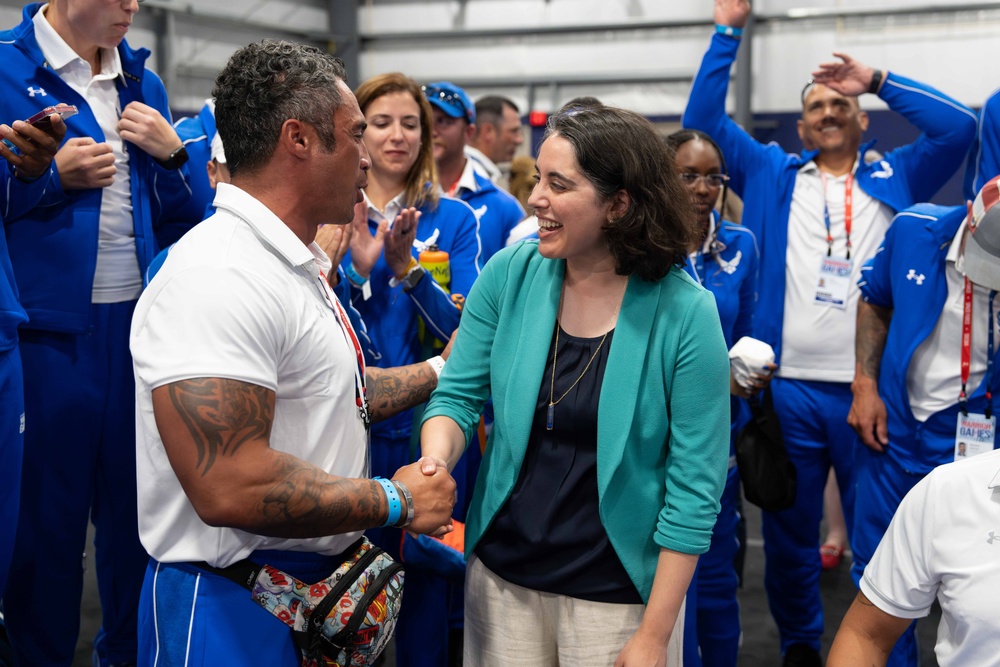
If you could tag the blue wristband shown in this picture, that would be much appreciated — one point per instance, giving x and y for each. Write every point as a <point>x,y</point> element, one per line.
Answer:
<point>354,276</point>
<point>395,507</point>
<point>728,30</point>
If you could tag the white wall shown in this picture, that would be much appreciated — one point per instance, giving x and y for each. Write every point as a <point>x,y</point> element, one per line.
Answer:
<point>951,50</point>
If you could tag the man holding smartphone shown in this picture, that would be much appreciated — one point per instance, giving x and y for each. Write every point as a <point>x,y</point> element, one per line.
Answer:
<point>79,254</point>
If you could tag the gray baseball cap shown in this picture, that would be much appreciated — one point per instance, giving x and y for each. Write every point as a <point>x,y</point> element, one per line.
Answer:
<point>982,247</point>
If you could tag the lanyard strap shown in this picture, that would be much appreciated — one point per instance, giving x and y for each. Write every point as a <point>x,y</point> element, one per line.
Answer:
<point>360,391</point>
<point>967,350</point>
<point>848,213</point>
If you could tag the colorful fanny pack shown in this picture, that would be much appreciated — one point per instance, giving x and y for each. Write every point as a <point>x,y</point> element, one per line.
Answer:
<point>345,620</point>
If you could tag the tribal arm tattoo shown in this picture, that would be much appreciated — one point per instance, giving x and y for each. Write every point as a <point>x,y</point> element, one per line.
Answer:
<point>392,390</point>
<point>222,415</point>
<point>872,331</point>
<point>216,433</point>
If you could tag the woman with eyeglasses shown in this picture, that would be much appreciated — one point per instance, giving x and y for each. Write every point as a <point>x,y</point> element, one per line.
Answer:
<point>608,369</point>
<point>724,260</point>
<point>410,316</point>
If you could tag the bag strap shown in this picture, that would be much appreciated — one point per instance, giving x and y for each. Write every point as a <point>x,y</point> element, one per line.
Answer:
<point>243,572</point>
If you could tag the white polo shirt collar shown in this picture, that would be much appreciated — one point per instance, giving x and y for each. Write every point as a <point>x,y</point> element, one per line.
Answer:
<point>269,228</point>
<point>60,55</point>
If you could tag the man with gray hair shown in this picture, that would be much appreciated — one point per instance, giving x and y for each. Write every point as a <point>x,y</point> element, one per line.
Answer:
<point>253,399</point>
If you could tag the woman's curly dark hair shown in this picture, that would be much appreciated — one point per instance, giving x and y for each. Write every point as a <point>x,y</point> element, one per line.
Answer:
<point>620,150</point>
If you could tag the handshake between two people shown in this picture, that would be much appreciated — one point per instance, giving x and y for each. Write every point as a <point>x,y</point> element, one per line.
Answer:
<point>434,495</point>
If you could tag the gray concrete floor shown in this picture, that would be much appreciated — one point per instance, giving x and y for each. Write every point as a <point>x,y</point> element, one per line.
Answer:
<point>760,635</point>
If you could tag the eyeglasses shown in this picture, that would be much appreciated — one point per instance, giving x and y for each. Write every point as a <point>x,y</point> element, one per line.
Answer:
<point>711,180</point>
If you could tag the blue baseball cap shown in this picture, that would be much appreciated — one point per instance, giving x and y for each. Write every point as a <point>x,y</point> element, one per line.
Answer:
<point>450,99</point>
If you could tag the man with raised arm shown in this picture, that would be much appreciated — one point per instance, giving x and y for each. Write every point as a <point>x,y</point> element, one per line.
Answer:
<point>253,396</point>
<point>818,215</point>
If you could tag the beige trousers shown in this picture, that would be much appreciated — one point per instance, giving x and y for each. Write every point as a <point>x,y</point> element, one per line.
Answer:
<point>510,626</point>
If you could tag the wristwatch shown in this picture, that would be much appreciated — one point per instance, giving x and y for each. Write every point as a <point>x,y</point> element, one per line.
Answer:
<point>176,159</point>
<point>410,280</point>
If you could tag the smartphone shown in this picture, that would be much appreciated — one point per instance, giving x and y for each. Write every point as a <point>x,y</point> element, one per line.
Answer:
<point>42,120</point>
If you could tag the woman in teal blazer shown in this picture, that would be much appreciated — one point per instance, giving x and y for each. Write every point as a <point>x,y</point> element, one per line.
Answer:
<point>610,380</point>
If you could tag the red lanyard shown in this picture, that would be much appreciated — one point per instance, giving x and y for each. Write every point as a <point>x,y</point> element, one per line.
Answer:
<point>360,391</point>
<point>848,213</point>
<point>967,349</point>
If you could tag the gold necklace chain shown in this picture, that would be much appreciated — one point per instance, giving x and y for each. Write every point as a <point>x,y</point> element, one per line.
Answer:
<point>550,415</point>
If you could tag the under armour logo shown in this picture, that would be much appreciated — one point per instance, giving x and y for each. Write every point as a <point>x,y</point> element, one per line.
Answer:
<point>912,275</point>
<point>989,540</point>
<point>884,172</point>
<point>36,91</point>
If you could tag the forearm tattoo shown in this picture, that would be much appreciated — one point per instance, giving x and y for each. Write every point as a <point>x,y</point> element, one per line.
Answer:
<point>306,502</point>
<point>221,415</point>
<point>872,330</point>
<point>392,390</point>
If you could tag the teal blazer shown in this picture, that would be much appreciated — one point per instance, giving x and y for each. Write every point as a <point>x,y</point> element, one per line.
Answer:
<point>663,420</point>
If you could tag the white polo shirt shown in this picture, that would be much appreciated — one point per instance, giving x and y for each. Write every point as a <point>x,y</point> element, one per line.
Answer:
<point>117,276</point>
<point>240,297</point>
<point>944,543</point>
<point>817,341</point>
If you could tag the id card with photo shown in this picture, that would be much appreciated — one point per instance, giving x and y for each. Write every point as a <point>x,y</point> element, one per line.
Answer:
<point>834,282</point>
<point>974,435</point>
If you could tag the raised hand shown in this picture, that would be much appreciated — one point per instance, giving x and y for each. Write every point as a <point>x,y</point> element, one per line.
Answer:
<point>399,242</point>
<point>335,241</point>
<point>733,13</point>
<point>365,247</point>
<point>83,164</point>
<point>36,147</point>
<point>848,77</point>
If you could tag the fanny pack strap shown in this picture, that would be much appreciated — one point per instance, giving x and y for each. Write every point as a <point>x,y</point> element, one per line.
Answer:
<point>243,572</point>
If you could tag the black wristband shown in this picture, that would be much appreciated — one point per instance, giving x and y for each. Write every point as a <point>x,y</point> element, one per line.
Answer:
<point>876,81</point>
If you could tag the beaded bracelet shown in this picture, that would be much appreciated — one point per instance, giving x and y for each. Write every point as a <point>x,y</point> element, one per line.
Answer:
<point>395,507</point>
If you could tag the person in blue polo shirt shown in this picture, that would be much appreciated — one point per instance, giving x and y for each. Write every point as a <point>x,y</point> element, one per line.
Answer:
<point>498,211</point>
<point>818,216</point>
<point>725,263</point>
<point>917,404</point>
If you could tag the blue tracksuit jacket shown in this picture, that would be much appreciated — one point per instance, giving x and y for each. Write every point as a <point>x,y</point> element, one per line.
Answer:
<point>917,242</point>
<point>498,213</point>
<point>984,156</point>
<point>392,313</point>
<point>59,234</point>
<point>764,176</point>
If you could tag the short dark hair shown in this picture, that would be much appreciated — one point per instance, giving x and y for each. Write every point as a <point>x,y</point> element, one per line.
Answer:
<point>266,83</point>
<point>620,150</point>
<point>489,109</point>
